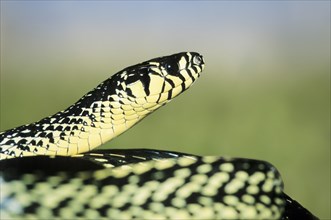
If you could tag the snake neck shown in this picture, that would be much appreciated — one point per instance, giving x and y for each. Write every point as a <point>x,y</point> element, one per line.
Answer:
<point>96,118</point>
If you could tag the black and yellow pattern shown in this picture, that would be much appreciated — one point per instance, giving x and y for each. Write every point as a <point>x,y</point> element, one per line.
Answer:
<point>49,168</point>
<point>179,187</point>
<point>107,111</point>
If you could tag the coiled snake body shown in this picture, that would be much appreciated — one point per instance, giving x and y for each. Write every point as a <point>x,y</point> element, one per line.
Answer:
<point>49,168</point>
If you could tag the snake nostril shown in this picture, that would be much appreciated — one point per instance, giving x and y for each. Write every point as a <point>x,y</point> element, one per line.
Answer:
<point>198,60</point>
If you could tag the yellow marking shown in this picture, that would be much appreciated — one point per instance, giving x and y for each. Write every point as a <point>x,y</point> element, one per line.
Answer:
<point>148,105</point>
<point>209,190</point>
<point>228,213</point>
<point>164,164</point>
<point>206,213</point>
<point>119,201</point>
<point>141,168</point>
<point>188,82</point>
<point>139,109</point>
<point>131,117</point>
<point>42,150</point>
<point>210,159</point>
<point>252,189</point>
<point>140,196</point>
<point>178,202</point>
<point>109,190</point>
<point>140,101</point>
<point>137,89</point>
<point>126,107</point>
<point>154,63</point>
<point>182,63</point>
<point>120,128</point>
<point>145,112</point>
<point>163,97</point>
<point>167,86</point>
<point>106,135</point>
<point>72,149</point>
<point>135,105</point>
<point>166,188</point>
<point>248,199</point>
<point>265,199</point>
<point>183,173</point>
<point>130,112</point>
<point>200,178</point>
<point>249,212</point>
<point>233,186</point>
<point>204,168</point>
<point>185,74</point>
<point>107,125</point>
<point>186,190</point>
<point>118,122</point>
<point>154,108</point>
<point>156,84</point>
<point>256,178</point>
<point>93,130</point>
<point>117,155</point>
<point>156,207</point>
<point>52,147</point>
<point>115,111</point>
<point>117,117</point>
<point>265,213</point>
<point>186,161</point>
<point>97,123</point>
<point>55,134</point>
<point>94,140</point>
<point>242,175</point>
<point>83,135</point>
<point>268,185</point>
<point>227,167</point>
<point>105,121</point>
<point>206,201</point>
<point>73,139</point>
<point>271,174</point>
<point>62,151</point>
<point>121,172</point>
<point>123,84</point>
<point>138,157</point>
<point>115,105</point>
<point>152,98</point>
<point>218,179</point>
<point>83,145</point>
<point>231,200</point>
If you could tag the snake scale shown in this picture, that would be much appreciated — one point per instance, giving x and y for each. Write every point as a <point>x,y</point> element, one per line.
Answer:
<point>49,169</point>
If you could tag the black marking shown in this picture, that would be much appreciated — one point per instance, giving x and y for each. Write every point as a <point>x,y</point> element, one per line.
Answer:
<point>59,128</point>
<point>190,74</point>
<point>183,86</point>
<point>170,94</point>
<point>50,127</point>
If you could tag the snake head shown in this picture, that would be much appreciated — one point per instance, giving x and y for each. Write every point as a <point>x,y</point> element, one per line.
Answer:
<point>162,79</point>
<point>139,90</point>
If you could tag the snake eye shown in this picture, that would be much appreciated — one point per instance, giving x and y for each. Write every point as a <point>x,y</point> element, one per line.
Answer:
<point>197,59</point>
<point>171,67</point>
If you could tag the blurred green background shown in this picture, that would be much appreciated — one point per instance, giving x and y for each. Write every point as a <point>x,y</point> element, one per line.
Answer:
<point>265,92</point>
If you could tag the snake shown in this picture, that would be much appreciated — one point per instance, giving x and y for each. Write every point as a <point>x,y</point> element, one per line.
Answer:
<point>51,169</point>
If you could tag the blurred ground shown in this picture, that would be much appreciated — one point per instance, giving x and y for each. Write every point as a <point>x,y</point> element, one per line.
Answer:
<point>265,92</point>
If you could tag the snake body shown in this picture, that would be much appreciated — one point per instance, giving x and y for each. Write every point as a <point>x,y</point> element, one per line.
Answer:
<point>49,168</point>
